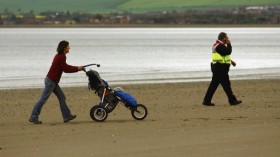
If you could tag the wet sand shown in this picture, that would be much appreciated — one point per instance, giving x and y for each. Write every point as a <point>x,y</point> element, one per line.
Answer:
<point>177,124</point>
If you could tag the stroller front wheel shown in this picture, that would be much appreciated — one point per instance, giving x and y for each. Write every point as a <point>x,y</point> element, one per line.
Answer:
<point>139,112</point>
<point>98,113</point>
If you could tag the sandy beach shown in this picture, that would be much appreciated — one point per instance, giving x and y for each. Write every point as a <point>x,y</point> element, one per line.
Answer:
<point>177,124</point>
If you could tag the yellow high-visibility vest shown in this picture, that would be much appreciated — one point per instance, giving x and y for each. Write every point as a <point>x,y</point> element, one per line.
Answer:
<point>217,58</point>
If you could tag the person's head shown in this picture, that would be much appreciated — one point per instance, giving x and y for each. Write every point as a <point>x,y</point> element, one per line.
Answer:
<point>63,47</point>
<point>223,37</point>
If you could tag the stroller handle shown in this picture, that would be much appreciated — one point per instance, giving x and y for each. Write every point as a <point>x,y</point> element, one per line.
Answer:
<point>98,65</point>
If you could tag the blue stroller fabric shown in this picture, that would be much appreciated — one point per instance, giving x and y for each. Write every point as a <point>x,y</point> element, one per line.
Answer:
<point>129,99</point>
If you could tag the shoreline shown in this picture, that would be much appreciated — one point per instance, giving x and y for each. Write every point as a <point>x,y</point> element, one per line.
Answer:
<point>142,82</point>
<point>143,26</point>
<point>267,76</point>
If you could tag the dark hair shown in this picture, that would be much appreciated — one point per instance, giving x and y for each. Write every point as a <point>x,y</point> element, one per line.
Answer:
<point>61,46</point>
<point>222,35</point>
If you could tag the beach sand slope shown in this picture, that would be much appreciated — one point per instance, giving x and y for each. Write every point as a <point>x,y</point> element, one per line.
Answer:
<point>177,124</point>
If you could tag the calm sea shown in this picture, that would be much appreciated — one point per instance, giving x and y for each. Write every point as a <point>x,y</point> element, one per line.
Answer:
<point>134,55</point>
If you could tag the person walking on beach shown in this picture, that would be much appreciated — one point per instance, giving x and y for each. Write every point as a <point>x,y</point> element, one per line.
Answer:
<point>220,65</point>
<point>58,66</point>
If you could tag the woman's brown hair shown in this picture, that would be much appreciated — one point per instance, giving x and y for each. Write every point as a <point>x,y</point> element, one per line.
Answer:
<point>61,46</point>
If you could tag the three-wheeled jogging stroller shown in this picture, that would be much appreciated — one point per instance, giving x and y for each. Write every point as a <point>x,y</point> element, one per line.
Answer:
<point>109,99</point>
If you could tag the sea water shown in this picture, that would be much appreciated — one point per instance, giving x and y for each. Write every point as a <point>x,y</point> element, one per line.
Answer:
<point>134,55</point>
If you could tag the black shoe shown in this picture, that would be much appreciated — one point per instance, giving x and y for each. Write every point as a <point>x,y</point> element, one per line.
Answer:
<point>35,121</point>
<point>208,104</point>
<point>71,118</point>
<point>236,102</point>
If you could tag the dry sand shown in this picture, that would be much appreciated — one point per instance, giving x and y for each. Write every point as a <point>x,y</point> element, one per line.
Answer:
<point>177,124</point>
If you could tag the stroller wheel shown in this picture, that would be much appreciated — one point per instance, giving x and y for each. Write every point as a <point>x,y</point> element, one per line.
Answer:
<point>139,112</point>
<point>98,113</point>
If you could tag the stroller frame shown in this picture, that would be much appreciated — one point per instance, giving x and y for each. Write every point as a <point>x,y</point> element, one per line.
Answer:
<point>109,100</point>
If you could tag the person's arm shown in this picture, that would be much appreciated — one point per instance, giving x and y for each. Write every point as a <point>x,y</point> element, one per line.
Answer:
<point>224,50</point>
<point>69,68</point>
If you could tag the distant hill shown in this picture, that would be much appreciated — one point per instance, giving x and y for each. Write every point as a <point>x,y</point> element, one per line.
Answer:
<point>106,6</point>
<point>150,5</point>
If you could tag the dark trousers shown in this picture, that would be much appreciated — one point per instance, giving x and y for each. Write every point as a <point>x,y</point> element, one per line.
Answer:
<point>220,76</point>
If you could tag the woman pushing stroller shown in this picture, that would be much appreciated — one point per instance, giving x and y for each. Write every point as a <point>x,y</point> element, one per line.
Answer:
<point>98,112</point>
<point>52,79</point>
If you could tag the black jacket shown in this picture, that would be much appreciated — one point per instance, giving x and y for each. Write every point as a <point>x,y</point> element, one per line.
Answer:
<point>224,50</point>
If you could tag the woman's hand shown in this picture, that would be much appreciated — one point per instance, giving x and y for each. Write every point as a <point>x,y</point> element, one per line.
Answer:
<point>80,68</point>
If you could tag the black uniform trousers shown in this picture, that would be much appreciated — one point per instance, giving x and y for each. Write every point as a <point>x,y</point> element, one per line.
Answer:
<point>220,76</point>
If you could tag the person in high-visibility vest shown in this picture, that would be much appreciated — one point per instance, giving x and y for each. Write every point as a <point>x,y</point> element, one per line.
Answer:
<point>220,65</point>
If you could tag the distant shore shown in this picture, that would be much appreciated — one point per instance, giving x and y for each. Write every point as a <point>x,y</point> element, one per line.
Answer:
<point>138,26</point>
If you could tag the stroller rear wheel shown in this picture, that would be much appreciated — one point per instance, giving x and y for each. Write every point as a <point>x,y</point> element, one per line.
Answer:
<point>139,112</point>
<point>98,113</point>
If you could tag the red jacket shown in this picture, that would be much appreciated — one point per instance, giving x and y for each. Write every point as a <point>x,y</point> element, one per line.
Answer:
<point>58,66</point>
